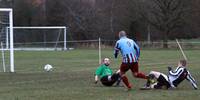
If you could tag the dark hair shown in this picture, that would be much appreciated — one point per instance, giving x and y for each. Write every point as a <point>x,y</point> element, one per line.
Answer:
<point>183,62</point>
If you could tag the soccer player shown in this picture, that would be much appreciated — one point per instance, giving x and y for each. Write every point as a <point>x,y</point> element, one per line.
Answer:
<point>174,78</point>
<point>130,52</point>
<point>107,77</point>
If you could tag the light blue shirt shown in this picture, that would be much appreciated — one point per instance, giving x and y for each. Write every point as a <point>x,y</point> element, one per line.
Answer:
<point>130,51</point>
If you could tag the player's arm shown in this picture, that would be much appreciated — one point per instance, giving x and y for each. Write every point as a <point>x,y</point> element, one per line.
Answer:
<point>191,80</point>
<point>97,74</point>
<point>176,72</point>
<point>137,49</point>
<point>96,79</point>
<point>117,49</point>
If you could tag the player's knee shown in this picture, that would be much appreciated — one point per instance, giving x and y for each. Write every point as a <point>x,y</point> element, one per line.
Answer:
<point>115,76</point>
<point>118,71</point>
<point>155,73</point>
<point>152,72</point>
<point>135,74</point>
<point>122,75</point>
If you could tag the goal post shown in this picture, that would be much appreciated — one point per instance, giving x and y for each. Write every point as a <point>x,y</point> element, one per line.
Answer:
<point>8,22</point>
<point>56,31</point>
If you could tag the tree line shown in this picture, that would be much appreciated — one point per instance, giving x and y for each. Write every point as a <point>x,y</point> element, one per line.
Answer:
<point>90,19</point>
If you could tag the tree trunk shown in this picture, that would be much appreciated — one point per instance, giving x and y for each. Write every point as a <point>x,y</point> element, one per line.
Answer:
<point>111,18</point>
<point>165,45</point>
<point>165,40</point>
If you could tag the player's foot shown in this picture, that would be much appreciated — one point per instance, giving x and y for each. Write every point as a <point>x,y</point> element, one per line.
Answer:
<point>119,85</point>
<point>129,87</point>
<point>145,88</point>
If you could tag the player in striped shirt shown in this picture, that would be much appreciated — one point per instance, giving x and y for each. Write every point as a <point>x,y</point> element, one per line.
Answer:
<point>130,52</point>
<point>174,78</point>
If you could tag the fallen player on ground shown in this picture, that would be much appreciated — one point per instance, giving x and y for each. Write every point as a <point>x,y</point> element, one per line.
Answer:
<point>106,75</point>
<point>172,80</point>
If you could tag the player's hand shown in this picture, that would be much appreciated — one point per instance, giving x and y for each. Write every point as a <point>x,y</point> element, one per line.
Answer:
<point>115,55</point>
<point>169,68</point>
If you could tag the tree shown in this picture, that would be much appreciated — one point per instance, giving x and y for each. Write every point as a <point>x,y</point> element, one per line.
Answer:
<point>6,3</point>
<point>166,16</point>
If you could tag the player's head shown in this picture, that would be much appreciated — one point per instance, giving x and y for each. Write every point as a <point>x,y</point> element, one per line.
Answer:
<point>106,61</point>
<point>122,34</point>
<point>182,63</point>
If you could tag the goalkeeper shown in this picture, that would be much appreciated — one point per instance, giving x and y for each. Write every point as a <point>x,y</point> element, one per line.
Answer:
<point>174,78</point>
<point>106,75</point>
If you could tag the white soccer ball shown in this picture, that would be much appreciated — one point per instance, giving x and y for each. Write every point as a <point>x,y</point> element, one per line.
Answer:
<point>48,67</point>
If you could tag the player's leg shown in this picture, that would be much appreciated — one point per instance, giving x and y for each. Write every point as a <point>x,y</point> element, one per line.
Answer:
<point>154,74</point>
<point>109,80</point>
<point>151,77</point>
<point>135,71</point>
<point>116,78</point>
<point>162,80</point>
<point>106,81</point>
<point>123,69</point>
<point>113,79</point>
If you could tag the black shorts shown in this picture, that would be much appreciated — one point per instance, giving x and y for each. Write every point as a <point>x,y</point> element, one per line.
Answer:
<point>162,81</point>
<point>106,82</point>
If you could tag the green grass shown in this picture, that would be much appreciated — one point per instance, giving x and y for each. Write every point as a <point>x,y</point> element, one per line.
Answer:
<point>72,78</point>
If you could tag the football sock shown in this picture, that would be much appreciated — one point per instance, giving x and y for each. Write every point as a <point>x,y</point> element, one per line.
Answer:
<point>125,80</point>
<point>141,75</point>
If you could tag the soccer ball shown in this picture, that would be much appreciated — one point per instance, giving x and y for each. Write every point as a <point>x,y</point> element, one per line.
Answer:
<point>48,67</point>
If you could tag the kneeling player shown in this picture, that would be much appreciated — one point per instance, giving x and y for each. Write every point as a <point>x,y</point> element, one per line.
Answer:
<point>174,78</point>
<point>107,77</point>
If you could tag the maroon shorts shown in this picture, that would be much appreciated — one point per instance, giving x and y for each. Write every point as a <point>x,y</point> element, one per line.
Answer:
<point>126,66</point>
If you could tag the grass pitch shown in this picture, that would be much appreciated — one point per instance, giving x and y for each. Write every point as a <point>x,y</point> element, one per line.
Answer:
<point>73,76</point>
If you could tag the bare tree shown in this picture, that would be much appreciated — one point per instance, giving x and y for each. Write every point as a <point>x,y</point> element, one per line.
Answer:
<point>166,15</point>
<point>89,19</point>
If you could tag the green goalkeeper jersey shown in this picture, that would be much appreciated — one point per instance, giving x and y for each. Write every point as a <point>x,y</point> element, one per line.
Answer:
<point>103,70</point>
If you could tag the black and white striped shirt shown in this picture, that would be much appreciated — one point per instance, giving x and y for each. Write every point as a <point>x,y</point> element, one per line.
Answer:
<point>180,74</point>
